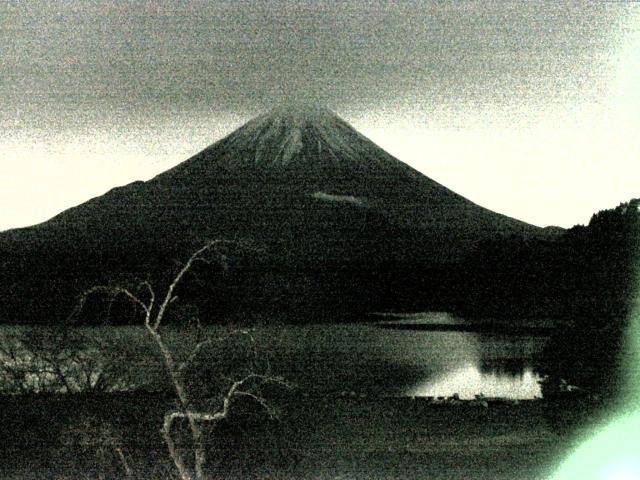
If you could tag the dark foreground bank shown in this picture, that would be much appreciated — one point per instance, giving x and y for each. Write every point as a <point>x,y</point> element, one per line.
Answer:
<point>314,438</point>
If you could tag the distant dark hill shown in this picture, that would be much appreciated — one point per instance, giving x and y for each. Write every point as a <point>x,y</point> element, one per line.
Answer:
<point>338,220</point>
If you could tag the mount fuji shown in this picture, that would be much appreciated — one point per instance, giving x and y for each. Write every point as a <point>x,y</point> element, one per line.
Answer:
<point>336,218</point>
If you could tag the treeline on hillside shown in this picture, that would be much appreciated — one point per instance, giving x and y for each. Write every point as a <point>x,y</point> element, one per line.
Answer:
<point>46,284</point>
<point>585,279</point>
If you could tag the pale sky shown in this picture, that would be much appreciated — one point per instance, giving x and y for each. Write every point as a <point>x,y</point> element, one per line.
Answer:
<point>531,109</point>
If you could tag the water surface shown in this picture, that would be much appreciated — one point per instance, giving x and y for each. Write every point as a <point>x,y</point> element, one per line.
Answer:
<point>382,361</point>
<point>354,358</point>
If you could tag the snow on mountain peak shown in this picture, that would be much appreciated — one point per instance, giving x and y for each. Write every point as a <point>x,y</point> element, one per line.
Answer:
<point>297,114</point>
<point>309,140</point>
<point>278,137</point>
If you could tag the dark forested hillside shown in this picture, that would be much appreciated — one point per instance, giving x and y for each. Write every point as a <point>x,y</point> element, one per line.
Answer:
<point>585,279</point>
<point>600,288</point>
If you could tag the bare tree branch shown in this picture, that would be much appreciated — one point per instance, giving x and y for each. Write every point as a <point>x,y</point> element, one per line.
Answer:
<point>115,291</point>
<point>176,280</point>
<point>176,369</point>
<point>193,355</point>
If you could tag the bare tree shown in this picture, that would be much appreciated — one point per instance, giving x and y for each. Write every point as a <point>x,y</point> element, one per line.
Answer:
<point>155,309</point>
<point>58,359</point>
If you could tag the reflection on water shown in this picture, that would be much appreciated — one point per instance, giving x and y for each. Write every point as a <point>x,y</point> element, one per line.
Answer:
<point>494,366</point>
<point>367,359</point>
<point>470,364</point>
<point>506,367</point>
<point>470,380</point>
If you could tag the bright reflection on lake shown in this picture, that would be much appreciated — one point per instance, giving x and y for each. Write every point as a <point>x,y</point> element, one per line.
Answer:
<point>468,381</point>
<point>368,359</point>
<point>482,364</point>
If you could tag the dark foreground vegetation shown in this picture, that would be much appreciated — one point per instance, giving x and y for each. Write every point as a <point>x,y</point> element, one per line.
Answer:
<point>84,436</point>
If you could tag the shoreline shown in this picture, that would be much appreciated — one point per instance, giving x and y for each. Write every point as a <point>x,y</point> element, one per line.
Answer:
<point>490,328</point>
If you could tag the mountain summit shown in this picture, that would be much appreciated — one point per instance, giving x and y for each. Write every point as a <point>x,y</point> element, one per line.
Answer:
<point>300,156</point>
<point>305,139</point>
<point>332,212</point>
<point>290,133</point>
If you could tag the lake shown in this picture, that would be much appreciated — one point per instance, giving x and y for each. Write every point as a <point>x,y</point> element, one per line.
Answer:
<point>365,358</point>
<point>357,358</point>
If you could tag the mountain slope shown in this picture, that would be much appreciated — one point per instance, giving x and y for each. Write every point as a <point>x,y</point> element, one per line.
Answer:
<point>314,194</point>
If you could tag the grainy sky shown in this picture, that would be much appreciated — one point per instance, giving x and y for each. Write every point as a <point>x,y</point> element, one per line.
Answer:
<point>528,108</point>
